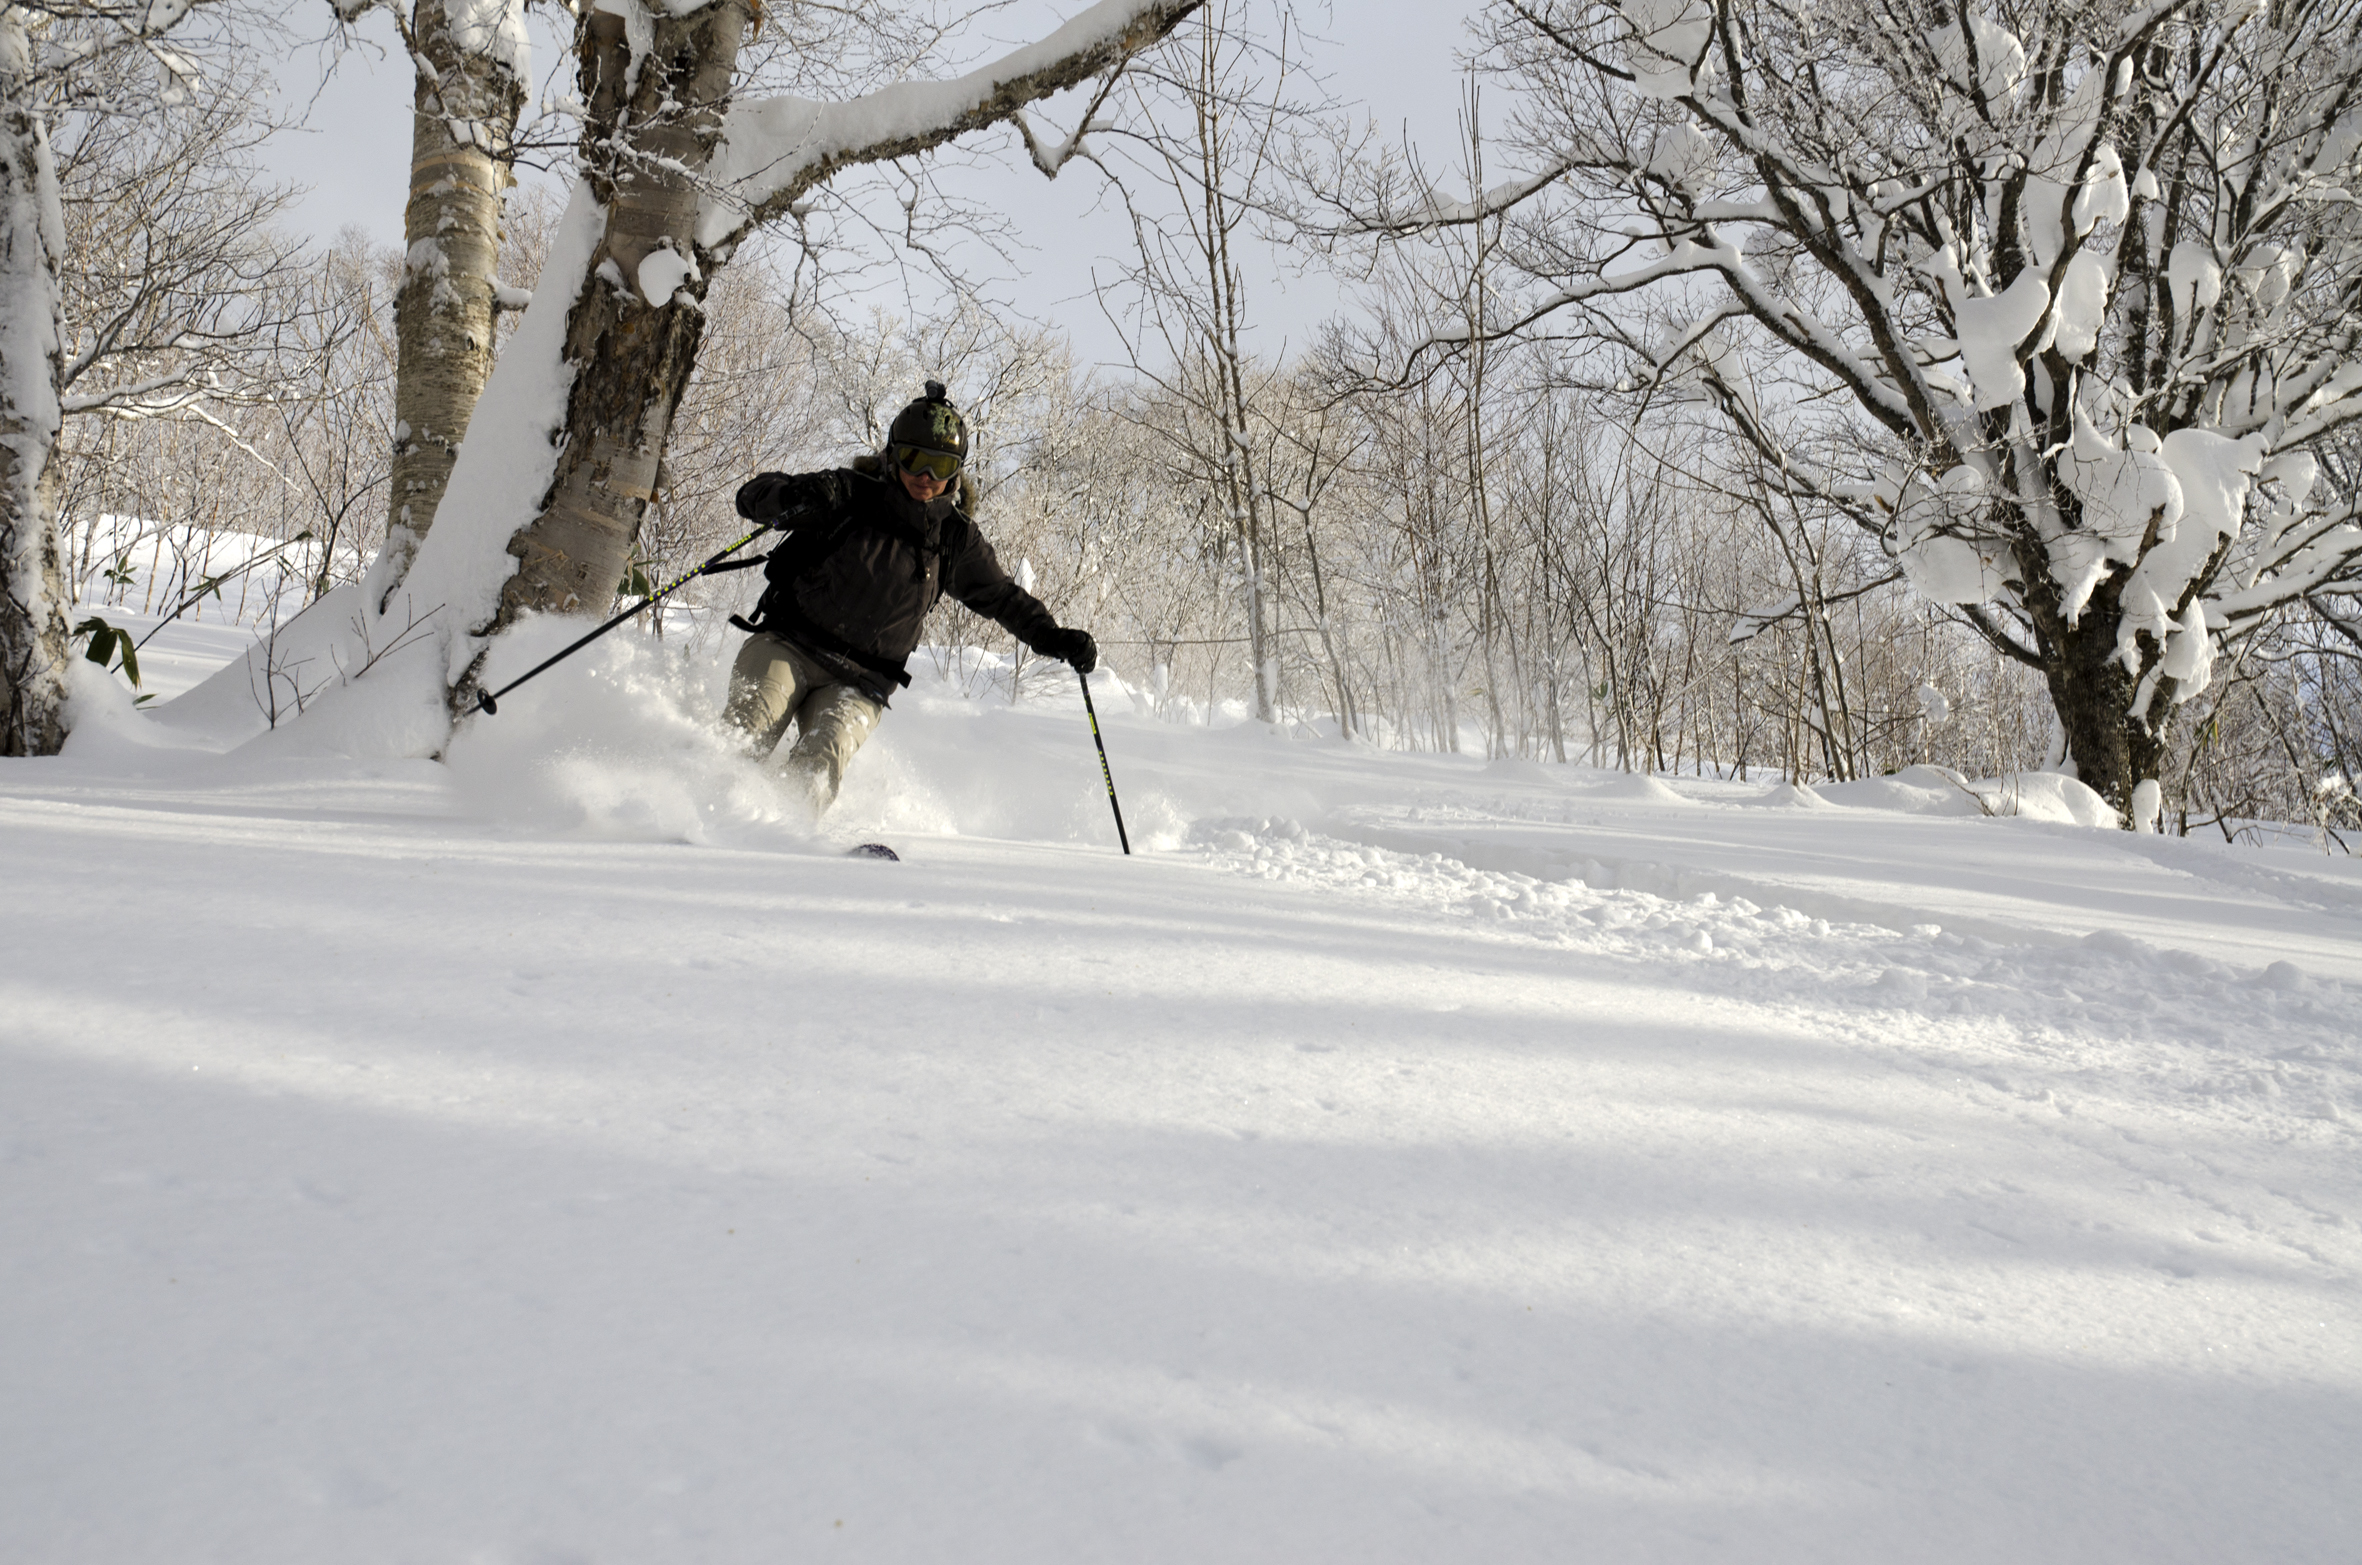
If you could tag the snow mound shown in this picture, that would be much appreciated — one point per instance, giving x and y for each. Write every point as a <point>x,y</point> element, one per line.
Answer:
<point>1636,789</point>
<point>1786,796</point>
<point>2284,977</point>
<point>1915,790</point>
<point>277,678</point>
<point>102,722</point>
<point>1938,790</point>
<point>396,710</point>
<point>1516,768</point>
<point>2045,796</point>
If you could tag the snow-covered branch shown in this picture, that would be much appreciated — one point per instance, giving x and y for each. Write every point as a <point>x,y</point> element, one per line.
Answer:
<point>775,150</point>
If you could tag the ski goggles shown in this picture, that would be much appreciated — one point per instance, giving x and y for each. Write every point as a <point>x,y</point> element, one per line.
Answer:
<point>942,466</point>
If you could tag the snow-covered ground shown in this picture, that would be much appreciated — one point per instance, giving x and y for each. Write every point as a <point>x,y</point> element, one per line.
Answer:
<point>561,1154</point>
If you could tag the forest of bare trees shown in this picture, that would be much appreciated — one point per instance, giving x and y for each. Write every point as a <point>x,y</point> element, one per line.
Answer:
<point>1581,472</point>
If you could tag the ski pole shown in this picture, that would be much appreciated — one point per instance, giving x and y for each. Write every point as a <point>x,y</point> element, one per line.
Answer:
<point>488,702</point>
<point>1103,771</point>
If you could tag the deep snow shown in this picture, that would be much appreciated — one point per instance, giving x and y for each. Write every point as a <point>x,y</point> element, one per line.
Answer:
<point>562,1154</point>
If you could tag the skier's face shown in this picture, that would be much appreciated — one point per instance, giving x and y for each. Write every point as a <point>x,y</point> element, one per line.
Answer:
<point>921,486</point>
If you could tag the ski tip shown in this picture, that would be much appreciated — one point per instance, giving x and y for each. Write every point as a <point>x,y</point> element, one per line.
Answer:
<point>873,850</point>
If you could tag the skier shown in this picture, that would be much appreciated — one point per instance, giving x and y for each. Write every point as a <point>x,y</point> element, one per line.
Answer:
<point>869,549</point>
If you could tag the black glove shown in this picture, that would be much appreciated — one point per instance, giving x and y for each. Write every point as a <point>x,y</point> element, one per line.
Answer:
<point>768,496</point>
<point>1070,646</point>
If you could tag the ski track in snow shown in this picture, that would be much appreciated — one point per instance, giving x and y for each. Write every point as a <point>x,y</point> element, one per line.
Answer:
<point>2021,1026</point>
<point>562,1155</point>
<point>2191,1021</point>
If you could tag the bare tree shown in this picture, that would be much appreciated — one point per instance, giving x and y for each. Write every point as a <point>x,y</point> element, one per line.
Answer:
<point>64,55</point>
<point>1307,444</point>
<point>2077,272</point>
<point>1190,193</point>
<point>335,410</point>
<point>180,302</point>
<point>177,294</point>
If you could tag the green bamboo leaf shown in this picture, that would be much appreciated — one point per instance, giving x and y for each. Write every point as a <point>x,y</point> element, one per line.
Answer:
<point>106,642</point>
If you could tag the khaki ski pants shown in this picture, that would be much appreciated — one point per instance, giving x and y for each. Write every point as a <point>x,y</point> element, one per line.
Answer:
<point>771,683</point>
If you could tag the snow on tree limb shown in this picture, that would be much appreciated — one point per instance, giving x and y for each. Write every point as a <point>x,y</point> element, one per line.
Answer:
<point>775,150</point>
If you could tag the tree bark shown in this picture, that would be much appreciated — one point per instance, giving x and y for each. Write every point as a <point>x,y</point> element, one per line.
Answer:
<point>33,640</point>
<point>461,142</point>
<point>2112,746</point>
<point>655,114</point>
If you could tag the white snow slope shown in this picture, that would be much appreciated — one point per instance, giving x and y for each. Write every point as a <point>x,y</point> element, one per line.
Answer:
<point>559,1155</point>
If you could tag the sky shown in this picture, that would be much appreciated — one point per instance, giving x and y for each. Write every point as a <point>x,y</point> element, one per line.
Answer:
<point>1391,62</point>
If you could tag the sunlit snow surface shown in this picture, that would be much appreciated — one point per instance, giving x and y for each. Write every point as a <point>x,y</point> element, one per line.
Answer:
<point>563,1154</point>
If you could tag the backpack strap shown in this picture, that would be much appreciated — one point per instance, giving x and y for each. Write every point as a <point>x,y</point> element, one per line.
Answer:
<point>792,626</point>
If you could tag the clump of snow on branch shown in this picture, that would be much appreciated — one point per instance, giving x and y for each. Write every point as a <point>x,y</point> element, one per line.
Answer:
<point>2127,491</point>
<point>493,28</point>
<point>2213,476</point>
<point>662,271</point>
<point>1948,553</point>
<point>1999,71</point>
<point>1668,45</point>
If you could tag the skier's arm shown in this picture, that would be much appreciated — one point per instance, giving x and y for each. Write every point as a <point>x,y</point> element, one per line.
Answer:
<point>974,576</point>
<point>766,497</point>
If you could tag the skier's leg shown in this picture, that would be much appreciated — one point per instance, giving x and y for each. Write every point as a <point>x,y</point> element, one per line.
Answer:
<point>767,683</point>
<point>832,723</point>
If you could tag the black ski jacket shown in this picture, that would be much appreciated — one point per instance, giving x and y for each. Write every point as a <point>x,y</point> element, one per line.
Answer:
<point>863,564</point>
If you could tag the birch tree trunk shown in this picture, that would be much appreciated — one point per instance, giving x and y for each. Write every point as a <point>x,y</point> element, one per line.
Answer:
<point>33,645</point>
<point>468,96</point>
<point>656,105</point>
